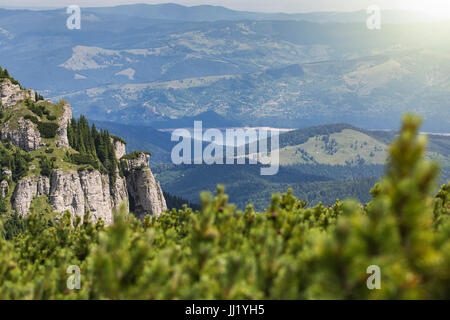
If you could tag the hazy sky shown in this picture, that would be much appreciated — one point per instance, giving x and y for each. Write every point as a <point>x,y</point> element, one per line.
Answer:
<point>430,6</point>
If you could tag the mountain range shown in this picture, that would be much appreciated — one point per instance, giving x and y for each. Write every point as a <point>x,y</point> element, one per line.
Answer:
<point>164,65</point>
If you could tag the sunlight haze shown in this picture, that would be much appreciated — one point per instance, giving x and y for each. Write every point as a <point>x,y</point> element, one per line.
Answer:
<point>436,8</point>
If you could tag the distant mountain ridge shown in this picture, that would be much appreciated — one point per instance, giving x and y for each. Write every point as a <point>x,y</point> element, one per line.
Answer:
<point>203,13</point>
<point>356,91</point>
<point>146,65</point>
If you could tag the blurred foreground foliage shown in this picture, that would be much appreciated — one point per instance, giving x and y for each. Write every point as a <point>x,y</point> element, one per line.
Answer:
<point>289,251</point>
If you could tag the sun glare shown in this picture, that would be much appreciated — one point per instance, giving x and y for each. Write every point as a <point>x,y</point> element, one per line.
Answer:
<point>439,9</point>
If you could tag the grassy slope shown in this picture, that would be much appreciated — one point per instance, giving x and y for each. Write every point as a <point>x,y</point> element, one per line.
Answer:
<point>339,148</point>
<point>12,116</point>
<point>50,151</point>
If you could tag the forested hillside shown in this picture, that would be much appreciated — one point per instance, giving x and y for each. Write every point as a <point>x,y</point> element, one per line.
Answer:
<point>245,185</point>
<point>320,164</point>
<point>333,161</point>
<point>287,251</point>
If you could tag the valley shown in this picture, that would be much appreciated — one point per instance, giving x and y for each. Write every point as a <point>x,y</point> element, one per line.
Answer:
<point>320,163</point>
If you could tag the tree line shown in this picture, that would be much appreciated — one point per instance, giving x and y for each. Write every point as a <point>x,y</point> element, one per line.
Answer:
<point>95,147</point>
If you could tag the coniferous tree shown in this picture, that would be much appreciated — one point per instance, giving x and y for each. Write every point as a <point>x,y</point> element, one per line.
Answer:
<point>93,146</point>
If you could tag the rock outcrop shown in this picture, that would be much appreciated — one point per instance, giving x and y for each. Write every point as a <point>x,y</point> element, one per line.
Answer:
<point>3,189</point>
<point>119,192</point>
<point>26,189</point>
<point>141,161</point>
<point>119,148</point>
<point>146,196</point>
<point>90,191</point>
<point>6,173</point>
<point>66,193</point>
<point>97,196</point>
<point>64,122</point>
<point>81,192</point>
<point>76,191</point>
<point>11,94</point>
<point>23,134</point>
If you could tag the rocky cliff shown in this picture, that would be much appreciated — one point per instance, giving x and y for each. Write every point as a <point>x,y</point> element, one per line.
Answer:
<point>26,190</point>
<point>76,192</point>
<point>11,94</point>
<point>22,133</point>
<point>146,196</point>
<point>71,188</point>
<point>119,147</point>
<point>3,189</point>
<point>64,121</point>
<point>79,192</point>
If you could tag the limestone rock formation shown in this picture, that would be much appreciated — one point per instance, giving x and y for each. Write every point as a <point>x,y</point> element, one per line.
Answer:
<point>141,161</point>
<point>64,122</point>
<point>66,192</point>
<point>81,192</point>
<point>11,94</point>
<point>6,173</point>
<point>96,192</point>
<point>26,189</point>
<point>85,190</point>
<point>146,196</point>
<point>23,134</point>
<point>76,192</point>
<point>3,189</point>
<point>90,191</point>
<point>119,192</point>
<point>119,148</point>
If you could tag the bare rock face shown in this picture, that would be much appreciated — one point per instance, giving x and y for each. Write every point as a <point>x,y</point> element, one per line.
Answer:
<point>64,122</point>
<point>66,193</point>
<point>3,189</point>
<point>26,190</point>
<point>22,134</point>
<point>96,194</point>
<point>90,191</point>
<point>141,162</point>
<point>76,192</point>
<point>119,148</point>
<point>6,173</point>
<point>11,94</point>
<point>119,192</point>
<point>146,196</point>
<point>80,192</point>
